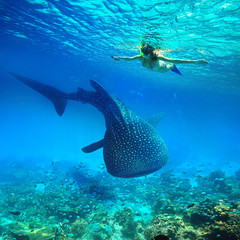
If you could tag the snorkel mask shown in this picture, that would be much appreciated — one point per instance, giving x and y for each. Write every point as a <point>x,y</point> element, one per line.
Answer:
<point>141,53</point>
<point>147,50</point>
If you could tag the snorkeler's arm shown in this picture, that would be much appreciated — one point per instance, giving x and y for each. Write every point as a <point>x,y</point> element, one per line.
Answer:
<point>182,61</point>
<point>137,57</point>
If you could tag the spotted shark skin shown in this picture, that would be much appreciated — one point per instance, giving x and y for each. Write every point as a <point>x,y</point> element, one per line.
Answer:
<point>131,145</point>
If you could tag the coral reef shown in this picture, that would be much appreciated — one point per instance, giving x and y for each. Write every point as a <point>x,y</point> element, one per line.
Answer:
<point>125,219</point>
<point>107,208</point>
<point>237,174</point>
<point>173,227</point>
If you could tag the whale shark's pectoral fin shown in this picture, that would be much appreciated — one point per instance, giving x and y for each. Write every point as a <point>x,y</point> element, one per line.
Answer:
<point>155,119</point>
<point>93,147</point>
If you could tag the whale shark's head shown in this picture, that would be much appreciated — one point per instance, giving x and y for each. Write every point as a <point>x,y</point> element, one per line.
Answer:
<point>135,150</point>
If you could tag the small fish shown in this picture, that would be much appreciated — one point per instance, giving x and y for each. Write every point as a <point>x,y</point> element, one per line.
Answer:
<point>161,237</point>
<point>138,214</point>
<point>16,213</point>
<point>191,205</point>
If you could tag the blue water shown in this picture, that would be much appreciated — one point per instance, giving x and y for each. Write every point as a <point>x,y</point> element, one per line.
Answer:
<point>65,43</point>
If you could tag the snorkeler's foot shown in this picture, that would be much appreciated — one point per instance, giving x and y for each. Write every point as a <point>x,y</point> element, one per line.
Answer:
<point>174,69</point>
<point>115,58</point>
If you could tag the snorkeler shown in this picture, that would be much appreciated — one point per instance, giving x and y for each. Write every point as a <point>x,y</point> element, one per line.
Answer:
<point>154,60</point>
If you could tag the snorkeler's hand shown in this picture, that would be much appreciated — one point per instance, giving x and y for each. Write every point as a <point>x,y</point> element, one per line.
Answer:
<point>115,58</point>
<point>202,61</point>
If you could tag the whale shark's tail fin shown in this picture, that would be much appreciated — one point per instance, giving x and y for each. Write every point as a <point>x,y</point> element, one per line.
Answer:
<point>58,98</point>
<point>98,98</point>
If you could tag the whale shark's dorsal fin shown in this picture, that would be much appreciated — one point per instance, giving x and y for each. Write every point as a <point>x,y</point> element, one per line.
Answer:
<point>93,147</point>
<point>112,105</point>
<point>98,87</point>
<point>155,119</point>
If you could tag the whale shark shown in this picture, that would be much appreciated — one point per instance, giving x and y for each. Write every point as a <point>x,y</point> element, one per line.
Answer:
<point>131,145</point>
